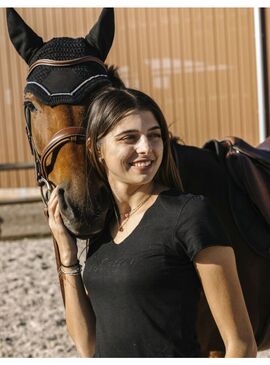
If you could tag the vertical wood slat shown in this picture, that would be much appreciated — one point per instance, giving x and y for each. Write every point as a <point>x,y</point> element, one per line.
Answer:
<point>198,64</point>
<point>120,47</point>
<point>254,123</point>
<point>143,51</point>
<point>180,105</point>
<point>8,108</point>
<point>242,76</point>
<point>232,47</point>
<point>176,81</point>
<point>199,75</point>
<point>189,69</point>
<point>267,66</point>
<point>5,100</point>
<point>224,108</point>
<point>130,24</point>
<point>211,70</point>
<point>167,67</point>
<point>155,60</point>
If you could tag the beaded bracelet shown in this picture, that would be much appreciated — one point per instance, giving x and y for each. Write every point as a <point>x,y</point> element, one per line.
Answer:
<point>75,271</point>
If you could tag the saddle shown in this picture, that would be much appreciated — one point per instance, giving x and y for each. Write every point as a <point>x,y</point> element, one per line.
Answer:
<point>248,172</point>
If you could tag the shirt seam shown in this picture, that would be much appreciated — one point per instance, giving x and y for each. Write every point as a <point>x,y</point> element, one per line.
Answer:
<point>179,216</point>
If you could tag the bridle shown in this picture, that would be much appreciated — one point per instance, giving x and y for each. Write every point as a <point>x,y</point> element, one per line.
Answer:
<point>66,135</point>
<point>65,63</point>
<point>63,136</point>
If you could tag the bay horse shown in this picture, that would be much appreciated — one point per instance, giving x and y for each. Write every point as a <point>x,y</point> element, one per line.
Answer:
<point>64,74</point>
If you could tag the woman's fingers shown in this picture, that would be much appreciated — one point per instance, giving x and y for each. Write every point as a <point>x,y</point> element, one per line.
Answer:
<point>57,215</point>
<point>66,243</point>
<point>53,202</point>
<point>54,196</point>
<point>55,219</point>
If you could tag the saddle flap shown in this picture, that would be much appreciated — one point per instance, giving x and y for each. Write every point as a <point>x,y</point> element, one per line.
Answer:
<point>248,173</point>
<point>250,169</point>
<point>259,154</point>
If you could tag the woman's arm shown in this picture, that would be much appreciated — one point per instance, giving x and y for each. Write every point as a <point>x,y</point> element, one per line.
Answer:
<point>218,273</point>
<point>80,317</point>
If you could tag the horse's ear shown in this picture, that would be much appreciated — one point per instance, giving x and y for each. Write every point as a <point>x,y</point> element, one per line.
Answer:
<point>102,33</point>
<point>24,39</point>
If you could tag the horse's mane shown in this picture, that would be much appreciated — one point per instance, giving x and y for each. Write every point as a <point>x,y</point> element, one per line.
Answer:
<point>114,77</point>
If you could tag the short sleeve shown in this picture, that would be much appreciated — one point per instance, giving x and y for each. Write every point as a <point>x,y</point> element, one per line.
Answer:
<point>199,227</point>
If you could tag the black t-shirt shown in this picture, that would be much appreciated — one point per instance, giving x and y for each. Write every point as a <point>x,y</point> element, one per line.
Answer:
<point>145,290</point>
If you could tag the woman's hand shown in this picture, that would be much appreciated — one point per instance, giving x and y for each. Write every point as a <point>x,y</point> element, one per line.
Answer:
<point>66,243</point>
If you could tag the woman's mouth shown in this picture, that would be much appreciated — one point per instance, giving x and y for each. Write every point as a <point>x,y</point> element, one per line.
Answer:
<point>142,165</point>
<point>145,163</point>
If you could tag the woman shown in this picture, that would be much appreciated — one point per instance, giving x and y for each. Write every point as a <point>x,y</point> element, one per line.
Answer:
<point>144,269</point>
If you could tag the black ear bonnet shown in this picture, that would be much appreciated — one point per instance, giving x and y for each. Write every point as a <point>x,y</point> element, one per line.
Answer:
<point>65,85</point>
<point>55,85</point>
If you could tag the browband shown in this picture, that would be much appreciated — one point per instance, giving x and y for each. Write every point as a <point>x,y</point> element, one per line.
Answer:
<point>65,63</point>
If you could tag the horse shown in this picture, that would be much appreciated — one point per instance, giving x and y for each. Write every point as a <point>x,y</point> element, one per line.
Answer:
<point>64,75</point>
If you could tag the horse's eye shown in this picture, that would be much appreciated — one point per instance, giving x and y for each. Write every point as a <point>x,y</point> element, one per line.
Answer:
<point>29,105</point>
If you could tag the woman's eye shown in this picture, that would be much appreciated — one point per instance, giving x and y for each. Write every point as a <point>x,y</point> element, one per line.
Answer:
<point>130,138</point>
<point>155,135</point>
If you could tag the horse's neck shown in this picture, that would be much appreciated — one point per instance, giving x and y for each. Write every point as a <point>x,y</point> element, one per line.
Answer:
<point>200,171</point>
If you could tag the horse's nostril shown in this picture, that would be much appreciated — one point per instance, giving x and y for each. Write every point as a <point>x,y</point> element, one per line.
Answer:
<point>61,196</point>
<point>61,191</point>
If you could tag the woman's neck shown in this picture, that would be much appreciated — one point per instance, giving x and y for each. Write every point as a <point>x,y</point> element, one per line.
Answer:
<point>129,197</point>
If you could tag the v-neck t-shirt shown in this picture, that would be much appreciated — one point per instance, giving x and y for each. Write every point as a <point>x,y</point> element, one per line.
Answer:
<point>145,290</point>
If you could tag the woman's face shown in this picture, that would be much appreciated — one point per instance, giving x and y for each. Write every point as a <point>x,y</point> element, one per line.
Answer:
<point>132,152</point>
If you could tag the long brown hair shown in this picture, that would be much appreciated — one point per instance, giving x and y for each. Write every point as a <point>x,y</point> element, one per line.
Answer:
<point>111,106</point>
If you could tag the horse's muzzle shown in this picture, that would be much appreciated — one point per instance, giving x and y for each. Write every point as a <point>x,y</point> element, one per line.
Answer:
<point>78,218</point>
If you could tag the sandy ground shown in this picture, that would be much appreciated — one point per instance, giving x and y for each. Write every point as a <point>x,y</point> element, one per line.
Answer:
<point>32,320</point>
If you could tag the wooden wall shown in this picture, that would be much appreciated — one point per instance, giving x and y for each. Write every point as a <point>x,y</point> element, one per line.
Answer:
<point>198,64</point>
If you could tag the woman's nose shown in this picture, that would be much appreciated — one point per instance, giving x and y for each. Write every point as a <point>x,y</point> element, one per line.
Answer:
<point>144,146</point>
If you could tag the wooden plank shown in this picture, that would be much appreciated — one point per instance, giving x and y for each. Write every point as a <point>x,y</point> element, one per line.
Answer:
<point>19,196</point>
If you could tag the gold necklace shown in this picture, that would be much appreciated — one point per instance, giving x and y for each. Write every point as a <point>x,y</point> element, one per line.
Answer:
<point>127,215</point>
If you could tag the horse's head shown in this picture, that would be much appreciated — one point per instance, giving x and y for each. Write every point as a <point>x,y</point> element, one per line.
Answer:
<point>63,74</point>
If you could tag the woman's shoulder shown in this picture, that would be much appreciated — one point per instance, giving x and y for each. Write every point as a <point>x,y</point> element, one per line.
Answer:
<point>175,195</point>
<point>173,202</point>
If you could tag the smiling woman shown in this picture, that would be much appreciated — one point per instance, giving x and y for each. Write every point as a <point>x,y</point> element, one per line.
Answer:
<point>133,150</point>
<point>131,118</point>
<point>158,249</point>
<point>129,148</point>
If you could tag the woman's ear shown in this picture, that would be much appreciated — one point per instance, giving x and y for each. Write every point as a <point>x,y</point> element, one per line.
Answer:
<point>89,148</point>
<point>100,155</point>
<point>88,144</point>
